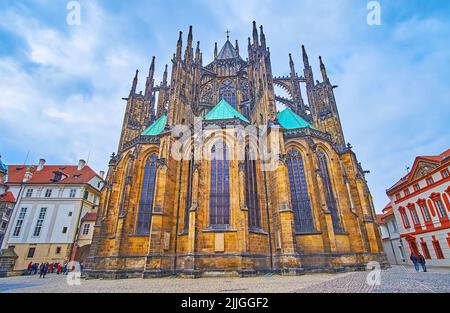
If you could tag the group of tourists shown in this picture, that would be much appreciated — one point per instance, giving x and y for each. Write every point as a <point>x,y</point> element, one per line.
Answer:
<point>418,259</point>
<point>44,268</point>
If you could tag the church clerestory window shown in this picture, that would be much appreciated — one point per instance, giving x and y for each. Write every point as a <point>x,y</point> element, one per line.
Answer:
<point>300,201</point>
<point>251,190</point>
<point>219,203</point>
<point>147,195</point>
<point>328,190</point>
<point>227,90</point>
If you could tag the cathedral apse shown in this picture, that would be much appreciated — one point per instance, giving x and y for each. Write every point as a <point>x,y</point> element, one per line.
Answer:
<point>218,207</point>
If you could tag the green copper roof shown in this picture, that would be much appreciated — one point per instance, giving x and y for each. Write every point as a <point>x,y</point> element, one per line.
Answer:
<point>288,119</point>
<point>224,111</point>
<point>3,167</point>
<point>157,127</point>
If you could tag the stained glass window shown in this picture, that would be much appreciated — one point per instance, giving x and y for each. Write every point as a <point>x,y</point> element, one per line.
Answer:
<point>227,90</point>
<point>251,191</point>
<point>300,201</point>
<point>219,203</point>
<point>147,195</point>
<point>328,190</point>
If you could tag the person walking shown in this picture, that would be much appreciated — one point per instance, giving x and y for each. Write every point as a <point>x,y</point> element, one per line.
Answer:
<point>41,270</point>
<point>422,262</point>
<point>46,267</point>
<point>415,261</point>
<point>58,271</point>
<point>29,268</point>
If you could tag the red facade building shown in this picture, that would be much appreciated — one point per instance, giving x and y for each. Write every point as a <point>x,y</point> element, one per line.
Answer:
<point>421,204</point>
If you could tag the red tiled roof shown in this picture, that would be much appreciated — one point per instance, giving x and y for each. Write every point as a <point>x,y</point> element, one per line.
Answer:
<point>90,217</point>
<point>387,211</point>
<point>432,158</point>
<point>71,174</point>
<point>388,208</point>
<point>437,158</point>
<point>379,218</point>
<point>7,197</point>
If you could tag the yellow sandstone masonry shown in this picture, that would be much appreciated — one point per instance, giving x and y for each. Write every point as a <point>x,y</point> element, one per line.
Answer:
<point>156,216</point>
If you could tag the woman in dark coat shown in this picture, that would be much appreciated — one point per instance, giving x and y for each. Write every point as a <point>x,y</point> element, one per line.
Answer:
<point>413,258</point>
<point>422,262</point>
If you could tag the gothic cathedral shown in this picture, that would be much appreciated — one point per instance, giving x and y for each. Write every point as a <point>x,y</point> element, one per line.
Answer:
<point>216,173</point>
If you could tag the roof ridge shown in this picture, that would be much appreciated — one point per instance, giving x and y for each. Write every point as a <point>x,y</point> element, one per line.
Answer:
<point>223,111</point>
<point>288,119</point>
<point>157,127</point>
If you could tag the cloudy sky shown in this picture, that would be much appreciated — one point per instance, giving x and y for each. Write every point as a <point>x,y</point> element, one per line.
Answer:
<point>61,86</point>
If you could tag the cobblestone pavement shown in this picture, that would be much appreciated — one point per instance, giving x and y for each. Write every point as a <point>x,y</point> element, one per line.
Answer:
<point>397,279</point>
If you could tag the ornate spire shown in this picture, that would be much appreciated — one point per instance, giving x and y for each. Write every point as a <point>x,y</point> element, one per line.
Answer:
<point>255,35</point>
<point>215,51</point>
<point>134,85</point>
<point>189,50</point>
<point>197,53</point>
<point>305,57</point>
<point>164,81</point>
<point>179,46</point>
<point>323,70</point>
<point>150,81</point>
<point>163,95</point>
<point>291,65</point>
<point>237,47</point>
<point>262,37</point>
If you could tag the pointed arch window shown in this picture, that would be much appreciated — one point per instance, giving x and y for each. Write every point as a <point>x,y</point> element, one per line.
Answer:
<point>328,190</point>
<point>227,90</point>
<point>147,194</point>
<point>251,190</point>
<point>219,198</point>
<point>300,201</point>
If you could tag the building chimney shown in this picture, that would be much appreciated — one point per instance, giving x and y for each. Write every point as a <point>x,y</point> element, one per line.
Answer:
<point>41,165</point>
<point>102,174</point>
<point>81,165</point>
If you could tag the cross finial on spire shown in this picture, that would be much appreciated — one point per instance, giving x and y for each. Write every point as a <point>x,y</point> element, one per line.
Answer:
<point>228,34</point>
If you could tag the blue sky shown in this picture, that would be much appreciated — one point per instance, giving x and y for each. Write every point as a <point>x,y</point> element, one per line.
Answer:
<point>61,86</point>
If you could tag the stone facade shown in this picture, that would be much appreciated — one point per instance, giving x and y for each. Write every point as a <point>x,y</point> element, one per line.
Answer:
<point>258,237</point>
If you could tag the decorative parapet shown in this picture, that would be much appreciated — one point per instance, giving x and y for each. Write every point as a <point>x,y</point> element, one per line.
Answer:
<point>142,139</point>
<point>307,132</point>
